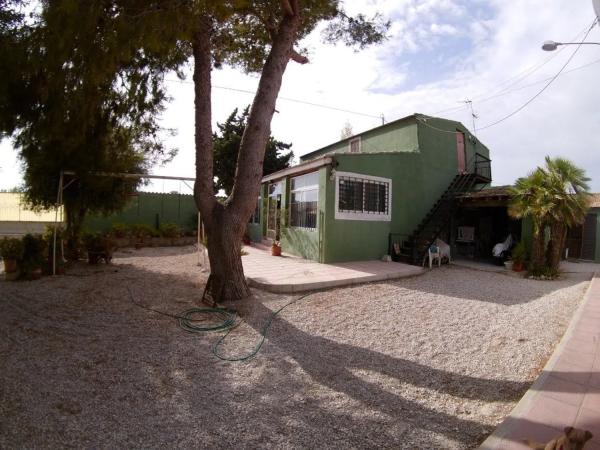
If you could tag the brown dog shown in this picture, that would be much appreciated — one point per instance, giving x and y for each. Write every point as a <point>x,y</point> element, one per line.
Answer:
<point>572,439</point>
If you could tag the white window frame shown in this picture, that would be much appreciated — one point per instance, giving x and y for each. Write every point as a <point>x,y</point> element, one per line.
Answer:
<point>355,139</point>
<point>362,215</point>
<point>304,189</point>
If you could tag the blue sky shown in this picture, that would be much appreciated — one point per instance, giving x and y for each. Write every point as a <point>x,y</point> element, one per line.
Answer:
<point>440,53</point>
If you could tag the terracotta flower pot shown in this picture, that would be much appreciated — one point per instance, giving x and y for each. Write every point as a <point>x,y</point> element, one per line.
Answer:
<point>276,250</point>
<point>10,265</point>
<point>517,266</point>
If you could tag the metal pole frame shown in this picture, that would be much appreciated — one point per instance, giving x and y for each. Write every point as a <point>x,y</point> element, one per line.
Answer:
<point>59,197</point>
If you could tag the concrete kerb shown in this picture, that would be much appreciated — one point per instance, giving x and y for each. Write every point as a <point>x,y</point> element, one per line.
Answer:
<point>291,288</point>
<point>526,403</point>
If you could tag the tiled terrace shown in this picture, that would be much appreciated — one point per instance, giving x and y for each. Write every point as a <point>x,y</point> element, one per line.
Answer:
<point>288,274</point>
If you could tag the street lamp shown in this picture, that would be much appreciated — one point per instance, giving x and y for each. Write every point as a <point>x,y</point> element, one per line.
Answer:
<point>551,45</point>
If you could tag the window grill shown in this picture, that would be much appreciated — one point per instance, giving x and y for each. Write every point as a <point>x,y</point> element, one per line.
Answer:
<point>357,195</point>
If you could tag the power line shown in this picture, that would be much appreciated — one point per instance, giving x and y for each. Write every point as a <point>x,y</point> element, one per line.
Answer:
<point>520,88</point>
<point>529,71</point>
<point>295,100</point>
<point>547,84</point>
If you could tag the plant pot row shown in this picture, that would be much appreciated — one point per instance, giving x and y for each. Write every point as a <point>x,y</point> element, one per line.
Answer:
<point>154,241</point>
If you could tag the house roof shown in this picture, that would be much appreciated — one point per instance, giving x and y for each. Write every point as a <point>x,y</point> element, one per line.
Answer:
<point>299,169</point>
<point>414,116</point>
<point>492,192</point>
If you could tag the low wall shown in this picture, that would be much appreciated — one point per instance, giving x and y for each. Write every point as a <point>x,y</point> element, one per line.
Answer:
<point>17,229</point>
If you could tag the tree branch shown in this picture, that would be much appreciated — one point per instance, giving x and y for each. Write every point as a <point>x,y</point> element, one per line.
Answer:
<point>252,147</point>
<point>297,57</point>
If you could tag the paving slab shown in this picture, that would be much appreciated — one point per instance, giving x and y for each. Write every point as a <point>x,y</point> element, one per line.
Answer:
<point>567,392</point>
<point>291,274</point>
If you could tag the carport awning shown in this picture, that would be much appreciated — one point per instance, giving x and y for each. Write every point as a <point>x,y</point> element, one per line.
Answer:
<point>491,196</point>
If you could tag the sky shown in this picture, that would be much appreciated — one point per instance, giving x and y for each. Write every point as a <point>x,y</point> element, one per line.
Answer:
<point>439,54</point>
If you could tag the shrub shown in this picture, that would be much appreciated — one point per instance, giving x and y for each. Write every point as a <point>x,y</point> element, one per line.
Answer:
<point>142,230</point>
<point>93,241</point>
<point>169,230</point>
<point>11,248</point>
<point>34,254</point>
<point>120,230</point>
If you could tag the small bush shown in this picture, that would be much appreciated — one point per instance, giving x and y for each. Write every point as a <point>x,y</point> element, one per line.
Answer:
<point>120,230</point>
<point>11,248</point>
<point>169,230</point>
<point>93,241</point>
<point>34,254</point>
<point>142,230</point>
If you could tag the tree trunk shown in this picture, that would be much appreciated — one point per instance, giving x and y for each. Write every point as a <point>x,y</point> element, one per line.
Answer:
<point>537,249</point>
<point>227,280</point>
<point>75,217</point>
<point>557,234</point>
<point>226,222</point>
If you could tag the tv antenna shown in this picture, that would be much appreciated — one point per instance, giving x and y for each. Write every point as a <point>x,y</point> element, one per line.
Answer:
<point>473,115</point>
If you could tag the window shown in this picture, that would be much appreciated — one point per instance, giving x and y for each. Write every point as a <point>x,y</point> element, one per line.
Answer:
<point>304,192</point>
<point>355,145</point>
<point>362,197</point>
<point>256,214</point>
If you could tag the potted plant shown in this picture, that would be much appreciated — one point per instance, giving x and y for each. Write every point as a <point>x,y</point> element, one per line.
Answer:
<point>519,255</point>
<point>34,255</point>
<point>11,250</point>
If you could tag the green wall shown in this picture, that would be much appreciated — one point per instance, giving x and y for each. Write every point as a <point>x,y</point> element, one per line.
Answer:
<point>597,212</point>
<point>152,209</point>
<point>398,136</point>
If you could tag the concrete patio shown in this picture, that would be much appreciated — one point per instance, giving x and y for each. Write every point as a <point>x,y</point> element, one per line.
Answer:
<point>290,274</point>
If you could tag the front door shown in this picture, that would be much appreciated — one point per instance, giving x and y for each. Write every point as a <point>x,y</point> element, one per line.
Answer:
<point>461,152</point>
<point>273,209</point>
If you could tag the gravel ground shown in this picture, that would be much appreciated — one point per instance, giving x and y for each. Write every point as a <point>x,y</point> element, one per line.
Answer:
<point>429,362</point>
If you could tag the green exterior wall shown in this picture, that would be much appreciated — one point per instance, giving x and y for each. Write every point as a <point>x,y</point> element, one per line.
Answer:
<point>597,212</point>
<point>398,136</point>
<point>152,209</point>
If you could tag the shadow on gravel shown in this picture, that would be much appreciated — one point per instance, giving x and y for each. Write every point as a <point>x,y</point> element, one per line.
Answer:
<point>99,371</point>
<point>487,286</point>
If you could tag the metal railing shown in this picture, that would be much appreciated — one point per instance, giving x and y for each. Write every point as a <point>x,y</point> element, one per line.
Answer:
<point>482,166</point>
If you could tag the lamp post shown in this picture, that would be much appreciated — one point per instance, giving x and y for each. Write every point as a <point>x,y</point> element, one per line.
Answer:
<point>551,45</point>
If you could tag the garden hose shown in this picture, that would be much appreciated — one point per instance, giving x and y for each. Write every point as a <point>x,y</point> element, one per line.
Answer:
<point>225,320</point>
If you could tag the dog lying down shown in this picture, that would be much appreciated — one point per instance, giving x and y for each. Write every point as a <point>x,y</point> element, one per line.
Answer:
<point>572,439</point>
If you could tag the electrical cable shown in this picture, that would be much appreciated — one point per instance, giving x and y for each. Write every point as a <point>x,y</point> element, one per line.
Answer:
<point>520,88</point>
<point>226,321</point>
<point>546,86</point>
<point>295,100</point>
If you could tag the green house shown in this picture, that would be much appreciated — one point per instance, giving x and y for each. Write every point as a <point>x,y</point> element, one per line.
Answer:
<point>362,197</point>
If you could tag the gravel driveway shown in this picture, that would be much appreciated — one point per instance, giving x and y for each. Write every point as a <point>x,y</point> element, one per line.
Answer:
<point>429,362</point>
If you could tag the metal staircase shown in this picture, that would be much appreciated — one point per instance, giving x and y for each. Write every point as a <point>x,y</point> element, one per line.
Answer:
<point>411,249</point>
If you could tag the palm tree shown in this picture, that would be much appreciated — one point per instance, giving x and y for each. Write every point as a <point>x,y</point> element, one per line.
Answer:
<point>555,196</point>
<point>568,187</point>
<point>529,199</point>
